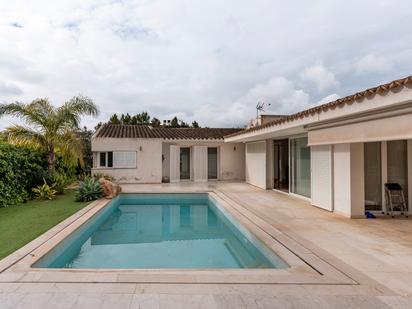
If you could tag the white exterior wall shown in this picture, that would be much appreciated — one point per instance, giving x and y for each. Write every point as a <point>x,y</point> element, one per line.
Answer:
<point>256,164</point>
<point>148,155</point>
<point>348,180</point>
<point>232,161</point>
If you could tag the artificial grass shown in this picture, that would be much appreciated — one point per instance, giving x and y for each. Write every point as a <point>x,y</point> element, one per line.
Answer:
<point>22,223</point>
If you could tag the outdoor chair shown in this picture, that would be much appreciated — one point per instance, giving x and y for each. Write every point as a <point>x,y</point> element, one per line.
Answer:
<point>395,199</point>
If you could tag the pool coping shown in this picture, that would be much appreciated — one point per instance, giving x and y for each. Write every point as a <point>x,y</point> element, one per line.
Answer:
<point>305,266</point>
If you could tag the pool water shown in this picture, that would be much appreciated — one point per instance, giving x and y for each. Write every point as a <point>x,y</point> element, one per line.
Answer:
<point>161,231</point>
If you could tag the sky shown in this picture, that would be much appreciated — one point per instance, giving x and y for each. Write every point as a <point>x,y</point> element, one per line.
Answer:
<point>209,61</point>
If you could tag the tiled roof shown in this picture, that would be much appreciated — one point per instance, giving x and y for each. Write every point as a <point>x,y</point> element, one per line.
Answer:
<point>146,131</point>
<point>348,100</point>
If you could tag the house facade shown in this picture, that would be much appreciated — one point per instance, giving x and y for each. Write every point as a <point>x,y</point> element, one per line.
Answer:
<point>338,155</point>
<point>144,154</point>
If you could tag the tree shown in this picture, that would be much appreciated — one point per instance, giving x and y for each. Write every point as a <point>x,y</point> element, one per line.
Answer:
<point>134,120</point>
<point>143,118</point>
<point>183,124</point>
<point>174,123</point>
<point>97,126</point>
<point>3,137</point>
<point>155,122</point>
<point>85,136</point>
<point>50,129</point>
<point>114,119</point>
<point>195,124</point>
<point>127,119</point>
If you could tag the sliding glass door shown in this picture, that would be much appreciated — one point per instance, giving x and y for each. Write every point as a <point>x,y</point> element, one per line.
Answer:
<point>384,162</point>
<point>300,169</point>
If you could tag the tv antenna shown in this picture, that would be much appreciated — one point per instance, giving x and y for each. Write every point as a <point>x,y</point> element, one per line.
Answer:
<point>260,107</point>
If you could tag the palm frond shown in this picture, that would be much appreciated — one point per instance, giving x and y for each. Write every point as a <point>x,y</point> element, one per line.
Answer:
<point>23,136</point>
<point>33,113</point>
<point>76,107</point>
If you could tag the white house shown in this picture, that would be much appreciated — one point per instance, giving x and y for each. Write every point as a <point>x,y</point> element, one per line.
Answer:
<point>337,155</point>
<point>144,154</point>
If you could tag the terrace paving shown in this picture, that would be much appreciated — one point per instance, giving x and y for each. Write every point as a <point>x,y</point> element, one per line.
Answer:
<point>375,254</point>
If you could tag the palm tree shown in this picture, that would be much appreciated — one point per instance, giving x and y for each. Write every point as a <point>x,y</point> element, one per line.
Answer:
<point>48,128</point>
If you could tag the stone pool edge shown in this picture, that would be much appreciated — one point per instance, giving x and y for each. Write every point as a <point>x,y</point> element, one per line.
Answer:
<point>305,267</point>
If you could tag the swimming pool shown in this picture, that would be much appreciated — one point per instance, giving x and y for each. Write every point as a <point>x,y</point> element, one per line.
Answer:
<point>153,231</point>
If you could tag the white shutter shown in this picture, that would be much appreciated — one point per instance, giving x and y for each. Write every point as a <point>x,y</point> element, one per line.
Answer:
<point>200,163</point>
<point>321,166</point>
<point>174,163</point>
<point>124,159</point>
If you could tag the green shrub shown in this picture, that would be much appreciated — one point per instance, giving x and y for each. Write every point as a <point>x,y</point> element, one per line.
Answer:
<point>89,190</point>
<point>44,192</point>
<point>83,176</point>
<point>61,181</point>
<point>21,169</point>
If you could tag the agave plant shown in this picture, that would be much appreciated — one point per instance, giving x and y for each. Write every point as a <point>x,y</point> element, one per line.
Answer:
<point>49,128</point>
<point>89,190</point>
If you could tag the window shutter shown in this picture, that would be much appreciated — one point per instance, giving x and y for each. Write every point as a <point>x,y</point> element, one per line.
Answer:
<point>124,159</point>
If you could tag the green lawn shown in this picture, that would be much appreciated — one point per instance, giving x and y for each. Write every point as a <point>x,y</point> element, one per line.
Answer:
<point>22,223</point>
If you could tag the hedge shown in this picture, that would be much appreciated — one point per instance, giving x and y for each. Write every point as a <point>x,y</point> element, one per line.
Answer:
<point>21,169</point>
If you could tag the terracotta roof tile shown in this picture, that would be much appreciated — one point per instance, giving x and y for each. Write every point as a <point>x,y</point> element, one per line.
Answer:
<point>348,100</point>
<point>146,131</point>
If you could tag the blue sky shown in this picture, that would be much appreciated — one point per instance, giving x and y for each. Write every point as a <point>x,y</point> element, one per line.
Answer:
<point>206,60</point>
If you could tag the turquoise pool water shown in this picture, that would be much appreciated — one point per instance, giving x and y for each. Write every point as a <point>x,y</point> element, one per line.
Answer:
<point>161,231</point>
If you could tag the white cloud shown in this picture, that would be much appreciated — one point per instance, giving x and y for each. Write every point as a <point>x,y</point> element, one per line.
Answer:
<point>321,77</point>
<point>329,98</point>
<point>279,92</point>
<point>373,64</point>
<point>7,89</point>
<point>205,60</point>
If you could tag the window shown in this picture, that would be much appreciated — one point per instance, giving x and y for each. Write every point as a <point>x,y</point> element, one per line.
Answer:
<point>102,162</point>
<point>117,159</point>
<point>110,159</point>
